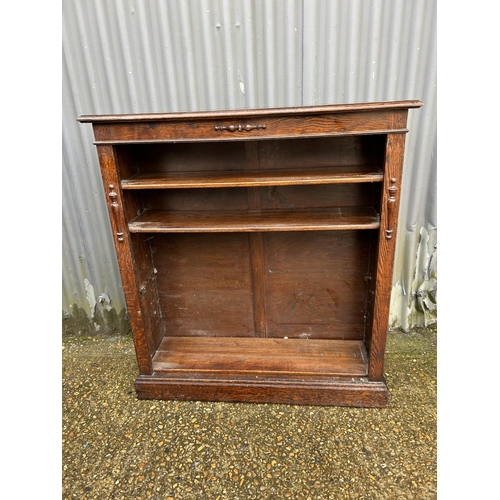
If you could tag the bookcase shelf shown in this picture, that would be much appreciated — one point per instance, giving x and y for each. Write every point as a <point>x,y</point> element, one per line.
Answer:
<point>256,248</point>
<point>278,220</point>
<point>265,357</point>
<point>284,177</point>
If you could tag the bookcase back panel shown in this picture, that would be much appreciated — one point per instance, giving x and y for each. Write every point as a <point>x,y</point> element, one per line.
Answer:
<point>204,284</point>
<point>269,198</point>
<point>316,283</point>
<point>272,154</point>
<point>221,199</point>
<point>320,196</point>
<point>322,152</point>
<point>189,157</point>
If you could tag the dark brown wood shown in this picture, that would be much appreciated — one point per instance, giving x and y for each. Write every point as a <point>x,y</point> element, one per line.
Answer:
<point>259,285</point>
<point>205,284</point>
<point>142,340</point>
<point>337,151</point>
<point>316,283</point>
<point>278,126</point>
<point>256,248</point>
<point>282,220</point>
<point>115,210</point>
<point>337,175</point>
<point>346,391</point>
<point>143,269</point>
<point>270,198</point>
<point>252,164</point>
<point>261,356</point>
<point>391,204</point>
<point>385,262</point>
<point>234,114</point>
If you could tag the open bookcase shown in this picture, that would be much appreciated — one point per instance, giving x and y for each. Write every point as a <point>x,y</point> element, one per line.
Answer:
<point>256,248</point>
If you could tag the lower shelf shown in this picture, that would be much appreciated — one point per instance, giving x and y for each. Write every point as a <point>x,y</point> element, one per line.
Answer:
<point>290,371</point>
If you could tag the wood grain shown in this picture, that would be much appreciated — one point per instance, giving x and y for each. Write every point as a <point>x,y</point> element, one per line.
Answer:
<point>195,200</point>
<point>205,284</point>
<point>218,115</point>
<point>300,390</point>
<point>385,262</point>
<point>186,157</point>
<point>252,164</point>
<point>332,151</point>
<point>330,196</point>
<point>143,342</point>
<point>260,356</point>
<point>317,125</point>
<point>337,175</point>
<point>143,269</point>
<point>315,284</point>
<point>282,220</point>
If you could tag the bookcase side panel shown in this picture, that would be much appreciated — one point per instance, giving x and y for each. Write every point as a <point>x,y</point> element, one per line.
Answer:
<point>386,249</point>
<point>110,177</point>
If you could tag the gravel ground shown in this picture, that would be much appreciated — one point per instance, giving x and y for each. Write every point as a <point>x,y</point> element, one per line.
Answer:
<point>118,447</point>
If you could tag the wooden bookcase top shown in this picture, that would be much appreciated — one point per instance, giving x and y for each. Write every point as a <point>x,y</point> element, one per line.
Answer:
<point>236,113</point>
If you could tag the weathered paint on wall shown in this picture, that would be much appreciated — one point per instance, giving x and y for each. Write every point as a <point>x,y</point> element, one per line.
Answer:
<point>417,305</point>
<point>129,56</point>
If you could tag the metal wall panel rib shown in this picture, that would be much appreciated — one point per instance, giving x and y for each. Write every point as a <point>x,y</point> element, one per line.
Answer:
<point>130,56</point>
<point>357,51</point>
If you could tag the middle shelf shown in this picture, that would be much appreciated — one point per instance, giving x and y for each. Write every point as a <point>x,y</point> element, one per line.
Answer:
<point>325,219</point>
<point>282,177</point>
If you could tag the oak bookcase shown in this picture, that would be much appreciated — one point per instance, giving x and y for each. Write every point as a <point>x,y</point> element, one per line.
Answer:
<point>256,248</point>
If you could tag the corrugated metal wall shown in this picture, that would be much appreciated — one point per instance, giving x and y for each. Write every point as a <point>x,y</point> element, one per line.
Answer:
<point>130,56</point>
